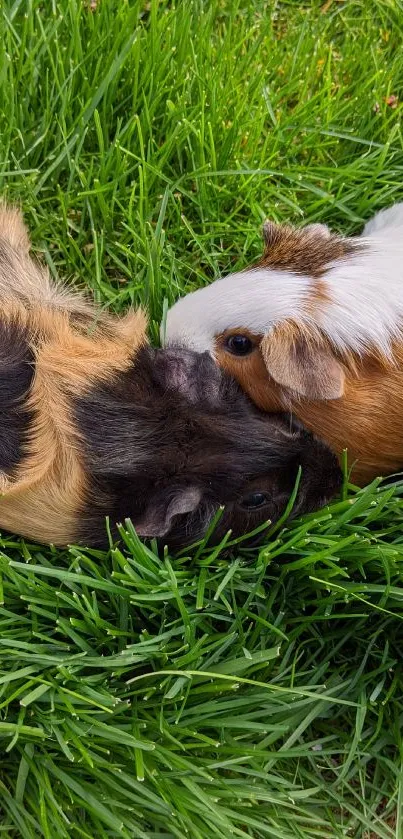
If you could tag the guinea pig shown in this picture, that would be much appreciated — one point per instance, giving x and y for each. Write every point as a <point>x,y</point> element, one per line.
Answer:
<point>315,327</point>
<point>94,422</point>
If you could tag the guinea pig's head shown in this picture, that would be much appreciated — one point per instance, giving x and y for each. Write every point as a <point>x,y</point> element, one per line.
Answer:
<point>173,438</point>
<point>276,326</point>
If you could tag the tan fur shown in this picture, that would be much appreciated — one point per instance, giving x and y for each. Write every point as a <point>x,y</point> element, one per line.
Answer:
<point>25,280</point>
<point>74,347</point>
<point>367,418</point>
<point>13,230</point>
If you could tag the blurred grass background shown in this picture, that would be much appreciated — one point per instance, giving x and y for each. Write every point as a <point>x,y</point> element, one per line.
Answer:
<point>233,693</point>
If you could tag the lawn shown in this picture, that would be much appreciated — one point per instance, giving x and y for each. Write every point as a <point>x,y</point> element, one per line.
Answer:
<point>222,692</point>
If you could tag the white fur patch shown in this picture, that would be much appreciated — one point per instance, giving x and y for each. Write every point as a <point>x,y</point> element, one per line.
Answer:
<point>391,218</point>
<point>257,299</point>
<point>365,291</point>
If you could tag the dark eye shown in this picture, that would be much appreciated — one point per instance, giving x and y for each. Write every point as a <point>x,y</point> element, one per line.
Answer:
<point>239,344</point>
<point>254,500</point>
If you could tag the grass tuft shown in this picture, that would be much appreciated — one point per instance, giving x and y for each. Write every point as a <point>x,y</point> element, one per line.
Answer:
<point>226,692</point>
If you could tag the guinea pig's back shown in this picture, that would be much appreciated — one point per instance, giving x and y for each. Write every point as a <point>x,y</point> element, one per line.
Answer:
<point>23,280</point>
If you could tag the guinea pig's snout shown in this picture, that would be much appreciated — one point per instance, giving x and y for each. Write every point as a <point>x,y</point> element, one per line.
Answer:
<point>192,374</point>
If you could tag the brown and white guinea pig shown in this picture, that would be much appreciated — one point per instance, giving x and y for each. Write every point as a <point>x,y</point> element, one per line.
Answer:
<point>94,422</point>
<point>315,328</point>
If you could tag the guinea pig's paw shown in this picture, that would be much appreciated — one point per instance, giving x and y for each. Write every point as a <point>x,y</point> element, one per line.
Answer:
<point>392,217</point>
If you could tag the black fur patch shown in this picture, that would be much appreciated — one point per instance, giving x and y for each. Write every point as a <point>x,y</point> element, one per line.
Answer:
<point>173,428</point>
<point>17,367</point>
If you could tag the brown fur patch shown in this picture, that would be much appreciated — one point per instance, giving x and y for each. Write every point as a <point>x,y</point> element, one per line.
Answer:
<point>367,419</point>
<point>307,250</point>
<point>318,297</point>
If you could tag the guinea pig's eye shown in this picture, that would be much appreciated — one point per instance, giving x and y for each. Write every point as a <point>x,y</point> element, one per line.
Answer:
<point>254,500</point>
<point>239,344</point>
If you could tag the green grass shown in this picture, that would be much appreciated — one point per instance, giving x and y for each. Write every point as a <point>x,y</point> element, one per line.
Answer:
<point>229,693</point>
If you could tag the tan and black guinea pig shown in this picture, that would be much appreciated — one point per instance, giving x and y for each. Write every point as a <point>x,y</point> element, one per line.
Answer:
<point>315,328</point>
<point>94,422</point>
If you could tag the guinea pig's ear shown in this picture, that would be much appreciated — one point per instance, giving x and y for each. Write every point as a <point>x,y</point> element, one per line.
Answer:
<point>158,517</point>
<point>302,362</point>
